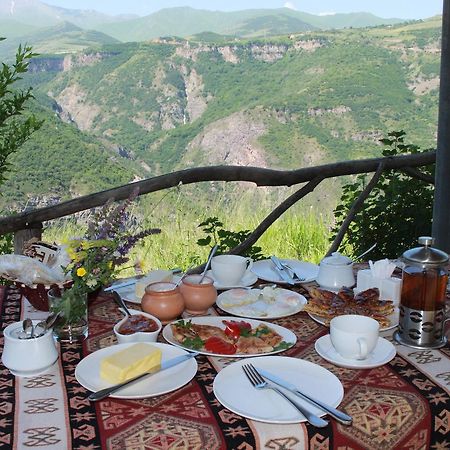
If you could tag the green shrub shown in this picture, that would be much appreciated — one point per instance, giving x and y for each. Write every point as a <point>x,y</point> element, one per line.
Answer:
<point>398,210</point>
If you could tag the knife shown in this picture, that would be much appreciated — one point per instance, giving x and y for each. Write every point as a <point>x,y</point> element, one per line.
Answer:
<point>133,281</point>
<point>333,412</point>
<point>99,395</point>
<point>282,271</point>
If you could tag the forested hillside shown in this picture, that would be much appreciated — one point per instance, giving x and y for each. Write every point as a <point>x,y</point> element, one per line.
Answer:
<point>119,112</point>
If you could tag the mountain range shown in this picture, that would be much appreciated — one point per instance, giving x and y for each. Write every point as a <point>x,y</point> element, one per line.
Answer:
<point>116,111</point>
<point>30,19</point>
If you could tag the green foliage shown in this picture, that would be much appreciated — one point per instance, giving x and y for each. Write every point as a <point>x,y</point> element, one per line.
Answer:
<point>226,239</point>
<point>14,131</point>
<point>396,213</point>
<point>6,243</point>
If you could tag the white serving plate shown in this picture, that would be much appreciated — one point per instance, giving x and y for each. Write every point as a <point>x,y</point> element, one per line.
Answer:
<point>234,391</point>
<point>87,373</point>
<point>287,335</point>
<point>286,303</point>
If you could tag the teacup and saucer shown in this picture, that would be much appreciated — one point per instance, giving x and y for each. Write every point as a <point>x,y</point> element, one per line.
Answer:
<point>232,271</point>
<point>354,343</point>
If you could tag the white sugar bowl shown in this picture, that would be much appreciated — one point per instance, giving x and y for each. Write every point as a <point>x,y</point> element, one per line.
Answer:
<point>28,357</point>
<point>335,272</point>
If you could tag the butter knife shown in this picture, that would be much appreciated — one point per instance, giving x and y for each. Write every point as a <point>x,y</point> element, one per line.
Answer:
<point>333,412</point>
<point>282,271</point>
<point>103,393</point>
<point>133,281</point>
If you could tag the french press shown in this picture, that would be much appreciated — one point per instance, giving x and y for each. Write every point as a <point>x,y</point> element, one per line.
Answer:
<point>422,301</point>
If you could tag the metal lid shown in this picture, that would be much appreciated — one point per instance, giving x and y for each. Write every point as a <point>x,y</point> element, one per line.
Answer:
<point>426,255</point>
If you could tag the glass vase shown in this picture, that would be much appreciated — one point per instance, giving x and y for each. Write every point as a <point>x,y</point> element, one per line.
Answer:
<point>72,324</point>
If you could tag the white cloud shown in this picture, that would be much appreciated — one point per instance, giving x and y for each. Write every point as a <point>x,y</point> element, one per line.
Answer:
<point>327,13</point>
<point>290,5</point>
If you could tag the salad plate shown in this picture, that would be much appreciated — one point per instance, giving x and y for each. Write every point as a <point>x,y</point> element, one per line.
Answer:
<point>234,391</point>
<point>87,373</point>
<point>214,326</point>
<point>266,270</point>
<point>266,303</point>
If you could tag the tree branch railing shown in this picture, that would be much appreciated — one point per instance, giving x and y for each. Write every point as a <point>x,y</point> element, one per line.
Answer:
<point>21,224</point>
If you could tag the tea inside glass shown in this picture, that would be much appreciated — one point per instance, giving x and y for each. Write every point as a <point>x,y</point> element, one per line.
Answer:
<point>424,289</point>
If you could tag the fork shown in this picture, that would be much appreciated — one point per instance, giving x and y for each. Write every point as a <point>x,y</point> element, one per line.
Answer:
<point>259,382</point>
<point>295,276</point>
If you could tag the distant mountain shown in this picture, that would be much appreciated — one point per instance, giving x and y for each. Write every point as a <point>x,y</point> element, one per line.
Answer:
<point>185,21</point>
<point>136,110</point>
<point>21,17</point>
<point>65,37</point>
<point>38,14</point>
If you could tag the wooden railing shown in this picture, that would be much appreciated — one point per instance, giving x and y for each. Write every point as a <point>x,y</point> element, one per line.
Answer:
<point>29,224</point>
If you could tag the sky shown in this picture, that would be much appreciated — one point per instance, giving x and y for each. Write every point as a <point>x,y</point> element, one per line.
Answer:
<point>403,9</point>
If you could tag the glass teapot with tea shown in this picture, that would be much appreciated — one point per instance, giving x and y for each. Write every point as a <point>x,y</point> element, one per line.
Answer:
<point>422,301</point>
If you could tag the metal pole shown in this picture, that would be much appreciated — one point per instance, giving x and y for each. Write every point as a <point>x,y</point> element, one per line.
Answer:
<point>441,208</point>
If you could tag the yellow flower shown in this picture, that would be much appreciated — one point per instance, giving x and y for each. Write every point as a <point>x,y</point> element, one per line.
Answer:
<point>81,272</point>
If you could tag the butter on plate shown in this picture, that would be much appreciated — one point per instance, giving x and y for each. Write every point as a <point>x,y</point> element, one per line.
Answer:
<point>130,362</point>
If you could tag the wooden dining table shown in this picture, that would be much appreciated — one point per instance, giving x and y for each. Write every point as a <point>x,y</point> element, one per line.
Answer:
<point>403,404</point>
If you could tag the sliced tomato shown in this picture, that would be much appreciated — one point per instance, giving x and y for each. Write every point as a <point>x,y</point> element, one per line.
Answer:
<point>235,329</point>
<point>217,345</point>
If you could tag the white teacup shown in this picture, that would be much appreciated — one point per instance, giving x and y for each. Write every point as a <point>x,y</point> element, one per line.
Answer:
<point>228,270</point>
<point>354,336</point>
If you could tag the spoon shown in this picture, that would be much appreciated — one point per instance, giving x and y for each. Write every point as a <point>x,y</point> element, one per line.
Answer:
<point>46,324</point>
<point>27,325</point>
<point>365,253</point>
<point>40,329</point>
<point>211,254</point>
<point>184,275</point>
<point>51,319</point>
<point>119,300</point>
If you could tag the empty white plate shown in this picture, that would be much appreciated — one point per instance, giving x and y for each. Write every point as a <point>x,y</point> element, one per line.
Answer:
<point>234,391</point>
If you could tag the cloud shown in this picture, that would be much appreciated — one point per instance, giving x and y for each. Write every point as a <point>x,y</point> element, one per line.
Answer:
<point>327,13</point>
<point>290,5</point>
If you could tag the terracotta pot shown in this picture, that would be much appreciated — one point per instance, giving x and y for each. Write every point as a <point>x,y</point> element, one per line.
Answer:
<point>198,297</point>
<point>163,300</point>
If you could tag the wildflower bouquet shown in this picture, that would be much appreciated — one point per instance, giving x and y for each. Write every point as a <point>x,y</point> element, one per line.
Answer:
<point>95,259</point>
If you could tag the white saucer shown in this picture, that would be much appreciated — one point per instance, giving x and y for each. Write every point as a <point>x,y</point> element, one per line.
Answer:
<point>247,280</point>
<point>382,354</point>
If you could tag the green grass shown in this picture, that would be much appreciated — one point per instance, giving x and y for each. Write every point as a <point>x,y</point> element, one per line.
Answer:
<point>300,234</point>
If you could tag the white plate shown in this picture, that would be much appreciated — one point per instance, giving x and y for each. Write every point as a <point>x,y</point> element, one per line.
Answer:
<point>128,293</point>
<point>247,280</point>
<point>382,354</point>
<point>266,270</point>
<point>87,373</point>
<point>287,335</point>
<point>234,391</point>
<point>286,303</point>
<point>394,318</point>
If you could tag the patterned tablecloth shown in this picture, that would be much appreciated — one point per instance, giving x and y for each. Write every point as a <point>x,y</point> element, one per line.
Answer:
<point>402,404</point>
